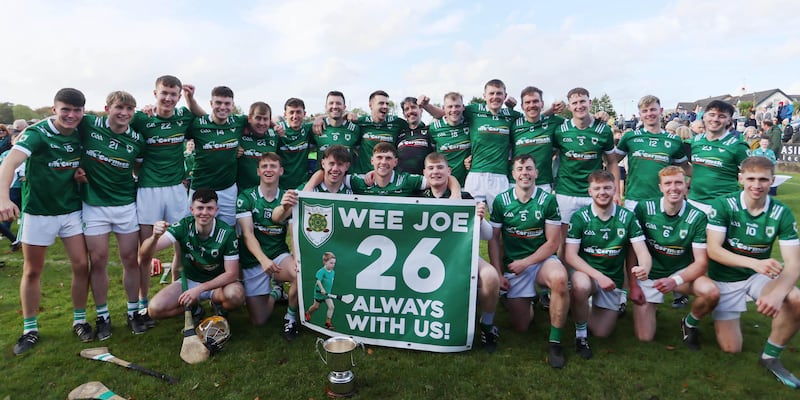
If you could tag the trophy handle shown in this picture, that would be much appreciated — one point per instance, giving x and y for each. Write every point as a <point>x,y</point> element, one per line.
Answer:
<point>316,347</point>
<point>363,351</point>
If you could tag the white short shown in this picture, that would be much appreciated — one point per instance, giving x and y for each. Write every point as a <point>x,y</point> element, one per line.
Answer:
<point>256,282</point>
<point>226,203</point>
<point>706,208</point>
<point>630,204</point>
<point>568,205</point>
<point>524,284</point>
<point>42,230</point>
<point>98,220</point>
<point>606,299</point>
<point>485,186</point>
<point>652,294</point>
<point>203,295</point>
<point>733,296</point>
<point>166,203</point>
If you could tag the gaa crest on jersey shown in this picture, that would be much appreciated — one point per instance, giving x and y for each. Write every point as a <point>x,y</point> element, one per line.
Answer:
<point>317,223</point>
<point>347,136</point>
<point>770,231</point>
<point>621,232</point>
<point>594,141</point>
<point>683,233</point>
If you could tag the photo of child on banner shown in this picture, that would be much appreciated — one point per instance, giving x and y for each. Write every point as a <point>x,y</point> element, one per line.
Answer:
<point>405,269</point>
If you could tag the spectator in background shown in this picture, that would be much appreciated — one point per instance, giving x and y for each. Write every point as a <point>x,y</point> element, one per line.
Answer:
<point>763,150</point>
<point>5,138</point>
<point>751,120</point>
<point>785,111</point>
<point>773,133</point>
<point>188,162</point>
<point>18,126</point>
<point>672,127</point>
<point>788,131</point>
<point>686,137</point>
<point>752,137</point>
<point>697,127</point>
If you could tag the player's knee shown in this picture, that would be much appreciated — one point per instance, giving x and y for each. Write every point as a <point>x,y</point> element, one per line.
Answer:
<point>707,290</point>
<point>792,302</point>
<point>489,280</point>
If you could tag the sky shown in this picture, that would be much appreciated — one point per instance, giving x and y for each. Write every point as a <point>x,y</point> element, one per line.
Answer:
<point>265,50</point>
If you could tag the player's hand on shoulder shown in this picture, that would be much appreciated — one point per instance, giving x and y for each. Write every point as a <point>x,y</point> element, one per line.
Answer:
<point>602,116</point>
<point>511,102</point>
<point>188,90</point>
<point>369,178</point>
<point>318,125</point>
<point>149,110</point>
<point>423,100</point>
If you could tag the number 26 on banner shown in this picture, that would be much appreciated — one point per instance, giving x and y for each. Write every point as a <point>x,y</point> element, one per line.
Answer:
<point>421,257</point>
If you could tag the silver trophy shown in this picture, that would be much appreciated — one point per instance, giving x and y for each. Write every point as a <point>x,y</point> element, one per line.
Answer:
<point>338,356</point>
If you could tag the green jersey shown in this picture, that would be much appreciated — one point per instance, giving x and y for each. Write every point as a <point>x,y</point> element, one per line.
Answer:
<point>453,142</point>
<point>523,224</point>
<point>670,238</point>
<point>52,160</point>
<point>648,153</point>
<point>490,135</point>
<point>271,236</point>
<point>346,135</point>
<point>215,151</point>
<point>326,278</point>
<point>163,152</point>
<point>747,235</point>
<point>604,244</point>
<point>401,184</point>
<point>715,166</point>
<point>294,149</point>
<point>254,147</point>
<point>108,160</point>
<point>581,153</point>
<point>372,133</point>
<point>203,259</point>
<point>536,139</point>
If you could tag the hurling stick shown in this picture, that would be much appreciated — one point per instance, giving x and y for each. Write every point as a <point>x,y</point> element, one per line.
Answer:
<point>102,354</point>
<point>344,298</point>
<point>193,350</point>
<point>93,390</point>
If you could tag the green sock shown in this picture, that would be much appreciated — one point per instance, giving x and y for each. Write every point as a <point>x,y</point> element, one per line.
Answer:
<point>275,293</point>
<point>691,321</point>
<point>143,303</point>
<point>102,311</point>
<point>30,324</point>
<point>78,316</point>
<point>290,314</point>
<point>771,350</point>
<point>555,334</point>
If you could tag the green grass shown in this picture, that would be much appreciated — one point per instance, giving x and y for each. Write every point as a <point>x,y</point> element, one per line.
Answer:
<point>259,363</point>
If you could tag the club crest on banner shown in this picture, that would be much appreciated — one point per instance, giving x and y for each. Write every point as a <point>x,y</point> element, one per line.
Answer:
<point>317,223</point>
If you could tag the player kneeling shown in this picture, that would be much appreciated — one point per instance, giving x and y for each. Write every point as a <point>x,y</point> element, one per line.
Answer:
<point>210,258</point>
<point>675,233</point>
